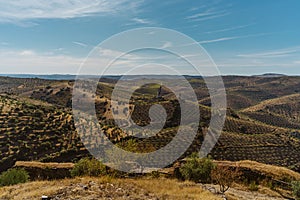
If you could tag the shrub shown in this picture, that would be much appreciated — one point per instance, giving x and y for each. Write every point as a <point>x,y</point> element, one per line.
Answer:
<point>197,170</point>
<point>296,189</point>
<point>88,167</point>
<point>13,176</point>
<point>225,177</point>
<point>271,185</point>
<point>155,174</point>
<point>253,186</point>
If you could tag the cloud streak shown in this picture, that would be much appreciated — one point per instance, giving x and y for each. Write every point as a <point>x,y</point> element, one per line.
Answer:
<point>142,21</point>
<point>231,28</point>
<point>273,54</point>
<point>204,14</point>
<point>210,10</point>
<point>166,45</point>
<point>228,38</point>
<point>207,16</point>
<point>219,40</point>
<point>80,44</point>
<point>20,10</point>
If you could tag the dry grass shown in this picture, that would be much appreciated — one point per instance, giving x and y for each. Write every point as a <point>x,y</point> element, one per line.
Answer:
<point>274,171</point>
<point>163,188</point>
<point>34,190</point>
<point>172,189</point>
<point>44,165</point>
<point>261,190</point>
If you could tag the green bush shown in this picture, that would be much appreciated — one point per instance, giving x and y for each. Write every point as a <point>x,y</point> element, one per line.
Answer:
<point>253,186</point>
<point>197,170</point>
<point>88,167</point>
<point>155,174</point>
<point>296,189</point>
<point>13,176</point>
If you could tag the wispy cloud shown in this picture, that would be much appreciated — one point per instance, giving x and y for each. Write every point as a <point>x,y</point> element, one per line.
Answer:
<point>208,13</point>
<point>219,39</point>
<point>27,53</point>
<point>274,53</point>
<point>59,49</point>
<point>196,8</point>
<point>284,60</point>
<point>29,61</point>
<point>19,10</point>
<point>230,29</point>
<point>297,62</point>
<point>166,45</point>
<point>80,44</point>
<point>211,17</point>
<point>232,38</point>
<point>239,62</point>
<point>228,38</point>
<point>4,43</point>
<point>142,21</point>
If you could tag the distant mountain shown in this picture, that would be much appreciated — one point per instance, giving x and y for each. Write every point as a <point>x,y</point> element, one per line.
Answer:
<point>127,77</point>
<point>271,75</point>
<point>42,76</point>
<point>73,77</point>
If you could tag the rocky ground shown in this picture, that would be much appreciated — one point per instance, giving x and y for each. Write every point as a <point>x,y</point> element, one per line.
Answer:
<point>105,191</point>
<point>106,188</point>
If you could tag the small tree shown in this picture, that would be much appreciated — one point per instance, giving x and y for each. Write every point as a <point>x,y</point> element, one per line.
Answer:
<point>296,189</point>
<point>225,177</point>
<point>196,169</point>
<point>13,176</point>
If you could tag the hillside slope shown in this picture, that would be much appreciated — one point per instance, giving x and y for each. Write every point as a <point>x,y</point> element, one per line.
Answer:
<point>282,111</point>
<point>262,122</point>
<point>34,130</point>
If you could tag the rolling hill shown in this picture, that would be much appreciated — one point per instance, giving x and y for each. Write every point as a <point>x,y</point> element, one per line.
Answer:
<point>262,119</point>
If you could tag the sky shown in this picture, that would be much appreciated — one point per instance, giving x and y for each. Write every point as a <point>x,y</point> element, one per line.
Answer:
<point>242,37</point>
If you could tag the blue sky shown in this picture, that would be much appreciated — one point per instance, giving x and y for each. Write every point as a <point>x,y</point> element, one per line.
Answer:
<point>242,37</point>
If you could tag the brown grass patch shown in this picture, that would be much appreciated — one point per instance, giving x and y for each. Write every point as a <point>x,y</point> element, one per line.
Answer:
<point>163,188</point>
<point>44,165</point>
<point>274,171</point>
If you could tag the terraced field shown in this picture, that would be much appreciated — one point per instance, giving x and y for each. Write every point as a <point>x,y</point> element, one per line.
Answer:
<point>282,111</point>
<point>262,121</point>
<point>36,131</point>
<point>267,148</point>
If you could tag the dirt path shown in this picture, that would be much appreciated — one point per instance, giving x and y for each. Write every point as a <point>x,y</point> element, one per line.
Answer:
<point>247,195</point>
<point>234,193</point>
